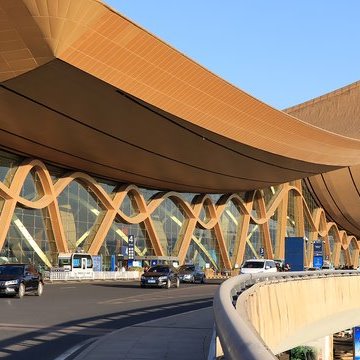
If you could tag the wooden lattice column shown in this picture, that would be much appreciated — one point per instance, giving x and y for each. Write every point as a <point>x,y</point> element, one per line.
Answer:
<point>281,226</point>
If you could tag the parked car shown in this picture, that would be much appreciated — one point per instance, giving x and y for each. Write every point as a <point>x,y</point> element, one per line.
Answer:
<point>191,273</point>
<point>257,266</point>
<point>160,276</point>
<point>19,279</point>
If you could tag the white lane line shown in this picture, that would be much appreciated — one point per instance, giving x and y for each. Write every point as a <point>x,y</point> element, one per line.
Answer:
<point>71,351</point>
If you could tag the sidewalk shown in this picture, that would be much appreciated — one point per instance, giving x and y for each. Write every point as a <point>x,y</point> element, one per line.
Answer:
<point>185,336</point>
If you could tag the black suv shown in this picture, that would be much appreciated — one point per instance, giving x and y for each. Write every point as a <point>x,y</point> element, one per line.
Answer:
<point>160,276</point>
<point>17,279</point>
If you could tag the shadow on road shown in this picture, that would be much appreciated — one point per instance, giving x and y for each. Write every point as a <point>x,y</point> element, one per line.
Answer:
<point>49,342</point>
<point>134,285</point>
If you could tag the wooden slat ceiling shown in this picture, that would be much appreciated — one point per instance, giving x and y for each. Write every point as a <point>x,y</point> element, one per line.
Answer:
<point>85,88</point>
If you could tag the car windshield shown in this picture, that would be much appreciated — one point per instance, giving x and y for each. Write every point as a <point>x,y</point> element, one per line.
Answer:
<point>160,269</point>
<point>253,264</point>
<point>187,268</point>
<point>11,270</point>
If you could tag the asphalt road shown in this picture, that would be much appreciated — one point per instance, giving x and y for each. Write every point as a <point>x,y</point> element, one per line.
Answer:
<point>72,313</point>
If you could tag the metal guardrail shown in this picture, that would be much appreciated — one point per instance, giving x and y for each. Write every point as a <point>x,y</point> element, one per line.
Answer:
<point>94,275</point>
<point>238,338</point>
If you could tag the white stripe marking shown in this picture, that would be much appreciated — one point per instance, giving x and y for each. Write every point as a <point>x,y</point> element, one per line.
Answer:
<point>66,354</point>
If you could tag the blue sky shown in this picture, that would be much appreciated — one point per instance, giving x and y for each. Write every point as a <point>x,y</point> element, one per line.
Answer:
<point>282,52</point>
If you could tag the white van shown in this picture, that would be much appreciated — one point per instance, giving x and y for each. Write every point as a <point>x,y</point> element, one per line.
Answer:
<point>257,266</point>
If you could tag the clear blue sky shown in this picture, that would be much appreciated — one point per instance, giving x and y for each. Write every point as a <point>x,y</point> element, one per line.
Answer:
<point>282,52</point>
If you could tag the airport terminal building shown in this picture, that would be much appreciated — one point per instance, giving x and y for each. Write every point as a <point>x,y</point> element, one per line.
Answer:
<point>106,132</point>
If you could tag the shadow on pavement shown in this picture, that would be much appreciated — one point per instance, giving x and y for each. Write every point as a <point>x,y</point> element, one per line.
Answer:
<point>49,342</point>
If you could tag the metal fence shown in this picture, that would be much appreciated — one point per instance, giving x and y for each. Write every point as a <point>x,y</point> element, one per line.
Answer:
<point>91,275</point>
<point>238,340</point>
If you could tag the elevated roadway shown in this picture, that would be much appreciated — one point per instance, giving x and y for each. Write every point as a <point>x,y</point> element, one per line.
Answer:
<point>277,312</point>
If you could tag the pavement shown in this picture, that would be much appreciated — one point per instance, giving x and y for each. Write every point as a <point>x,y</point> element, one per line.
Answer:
<point>179,337</point>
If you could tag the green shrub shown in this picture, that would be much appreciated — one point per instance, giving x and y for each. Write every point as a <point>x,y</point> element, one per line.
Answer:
<point>303,353</point>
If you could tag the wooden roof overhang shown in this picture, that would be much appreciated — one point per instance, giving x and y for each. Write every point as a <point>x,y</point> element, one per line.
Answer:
<point>85,88</point>
<point>338,192</point>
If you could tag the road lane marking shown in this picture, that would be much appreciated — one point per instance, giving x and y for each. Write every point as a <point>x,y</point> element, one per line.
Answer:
<point>75,348</point>
<point>139,298</point>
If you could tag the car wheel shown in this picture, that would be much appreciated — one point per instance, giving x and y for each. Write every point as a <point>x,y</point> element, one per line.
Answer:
<point>168,284</point>
<point>39,289</point>
<point>21,291</point>
<point>202,280</point>
<point>177,282</point>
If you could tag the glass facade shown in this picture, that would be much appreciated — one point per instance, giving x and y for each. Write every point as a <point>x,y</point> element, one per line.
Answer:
<point>83,214</point>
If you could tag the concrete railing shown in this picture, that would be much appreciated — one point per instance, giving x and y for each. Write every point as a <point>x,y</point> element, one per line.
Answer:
<point>239,296</point>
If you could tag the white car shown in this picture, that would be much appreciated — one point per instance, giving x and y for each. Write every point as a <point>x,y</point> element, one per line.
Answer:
<point>257,266</point>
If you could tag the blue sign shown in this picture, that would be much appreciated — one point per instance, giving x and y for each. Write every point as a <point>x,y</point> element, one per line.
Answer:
<point>318,262</point>
<point>124,251</point>
<point>356,337</point>
<point>112,263</point>
<point>154,262</point>
<point>294,253</point>
<point>318,248</point>
<point>97,261</point>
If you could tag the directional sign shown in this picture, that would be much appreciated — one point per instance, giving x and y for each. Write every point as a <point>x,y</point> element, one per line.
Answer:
<point>131,247</point>
<point>318,248</point>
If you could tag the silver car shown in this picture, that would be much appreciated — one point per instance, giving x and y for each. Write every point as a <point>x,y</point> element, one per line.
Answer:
<point>191,274</point>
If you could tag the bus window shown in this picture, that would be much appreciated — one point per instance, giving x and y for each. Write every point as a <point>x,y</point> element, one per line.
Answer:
<point>76,262</point>
<point>89,262</point>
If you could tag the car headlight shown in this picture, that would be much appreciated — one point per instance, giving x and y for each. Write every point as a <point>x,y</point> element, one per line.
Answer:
<point>162,278</point>
<point>11,282</point>
<point>187,276</point>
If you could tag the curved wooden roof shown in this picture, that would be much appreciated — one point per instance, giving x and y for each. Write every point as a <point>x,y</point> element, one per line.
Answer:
<point>85,88</point>
<point>338,192</point>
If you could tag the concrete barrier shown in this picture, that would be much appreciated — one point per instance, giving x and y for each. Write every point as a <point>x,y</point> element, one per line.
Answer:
<point>260,315</point>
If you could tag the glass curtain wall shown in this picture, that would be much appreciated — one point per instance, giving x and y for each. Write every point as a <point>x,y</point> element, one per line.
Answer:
<point>30,237</point>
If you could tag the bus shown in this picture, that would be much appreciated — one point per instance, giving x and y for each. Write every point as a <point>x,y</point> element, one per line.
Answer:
<point>76,262</point>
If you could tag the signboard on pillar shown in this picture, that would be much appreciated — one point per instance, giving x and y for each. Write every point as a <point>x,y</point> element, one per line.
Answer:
<point>112,263</point>
<point>318,262</point>
<point>356,341</point>
<point>318,248</point>
<point>318,258</point>
<point>131,247</point>
<point>294,253</point>
<point>97,261</point>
